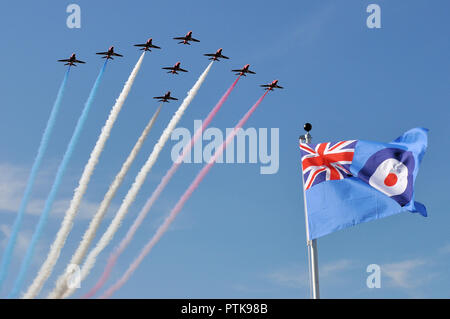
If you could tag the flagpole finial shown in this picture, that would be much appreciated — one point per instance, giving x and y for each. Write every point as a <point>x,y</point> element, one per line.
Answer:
<point>307,137</point>
<point>307,127</point>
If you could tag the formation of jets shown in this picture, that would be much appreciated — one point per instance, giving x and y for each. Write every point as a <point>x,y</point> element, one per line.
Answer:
<point>147,46</point>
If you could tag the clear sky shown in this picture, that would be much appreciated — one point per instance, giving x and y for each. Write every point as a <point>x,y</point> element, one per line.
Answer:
<point>242,234</point>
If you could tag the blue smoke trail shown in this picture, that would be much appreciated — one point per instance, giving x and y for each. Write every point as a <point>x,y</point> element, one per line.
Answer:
<point>59,175</point>
<point>7,255</point>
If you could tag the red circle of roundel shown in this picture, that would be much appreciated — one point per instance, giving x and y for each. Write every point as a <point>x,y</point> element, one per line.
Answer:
<point>391,179</point>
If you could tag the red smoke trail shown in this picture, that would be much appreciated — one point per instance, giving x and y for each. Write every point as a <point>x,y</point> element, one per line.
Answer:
<point>163,228</point>
<point>164,181</point>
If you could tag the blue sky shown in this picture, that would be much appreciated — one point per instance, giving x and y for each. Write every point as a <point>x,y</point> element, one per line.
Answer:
<point>242,234</point>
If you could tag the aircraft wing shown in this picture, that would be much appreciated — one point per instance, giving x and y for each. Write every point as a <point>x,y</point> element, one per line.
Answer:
<point>173,98</point>
<point>182,70</point>
<point>102,53</point>
<point>265,85</point>
<point>180,38</point>
<point>251,72</point>
<point>195,40</point>
<point>159,97</point>
<point>64,60</point>
<point>168,68</point>
<point>155,46</point>
<point>279,87</point>
<point>224,57</point>
<point>140,45</point>
<point>209,54</point>
<point>78,61</point>
<point>117,54</point>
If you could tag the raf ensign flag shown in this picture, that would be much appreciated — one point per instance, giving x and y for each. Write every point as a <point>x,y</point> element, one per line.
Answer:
<point>355,181</point>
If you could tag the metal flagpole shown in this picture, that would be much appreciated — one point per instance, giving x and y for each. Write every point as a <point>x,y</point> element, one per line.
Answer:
<point>313,259</point>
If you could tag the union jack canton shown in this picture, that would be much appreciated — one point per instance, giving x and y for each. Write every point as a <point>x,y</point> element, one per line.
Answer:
<point>326,161</point>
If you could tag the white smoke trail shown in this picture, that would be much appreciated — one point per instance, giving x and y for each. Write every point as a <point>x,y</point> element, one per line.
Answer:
<point>139,180</point>
<point>90,233</point>
<point>66,225</point>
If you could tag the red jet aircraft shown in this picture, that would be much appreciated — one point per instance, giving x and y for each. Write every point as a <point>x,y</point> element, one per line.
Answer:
<point>146,46</point>
<point>244,70</point>
<point>216,56</point>
<point>108,54</point>
<point>165,98</point>
<point>271,86</point>
<point>174,69</point>
<point>188,37</point>
<point>72,60</point>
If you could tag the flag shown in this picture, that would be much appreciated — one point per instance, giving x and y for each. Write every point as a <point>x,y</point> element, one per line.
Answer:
<point>351,182</point>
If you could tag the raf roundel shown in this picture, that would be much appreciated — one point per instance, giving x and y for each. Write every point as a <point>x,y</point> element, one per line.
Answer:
<point>390,171</point>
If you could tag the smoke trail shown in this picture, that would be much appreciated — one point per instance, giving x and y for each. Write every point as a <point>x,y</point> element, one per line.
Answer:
<point>139,180</point>
<point>89,235</point>
<point>164,181</point>
<point>59,175</point>
<point>71,212</point>
<point>187,194</point>
<point>7,255</point>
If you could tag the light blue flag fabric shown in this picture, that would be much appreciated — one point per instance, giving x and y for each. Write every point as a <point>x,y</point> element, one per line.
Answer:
<point>351,182</point>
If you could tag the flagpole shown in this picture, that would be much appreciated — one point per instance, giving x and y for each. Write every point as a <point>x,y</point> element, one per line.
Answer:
<point>313,260</point>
